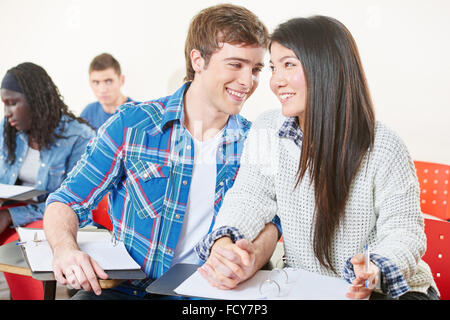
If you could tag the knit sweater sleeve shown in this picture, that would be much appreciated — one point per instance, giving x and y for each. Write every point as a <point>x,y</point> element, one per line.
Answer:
<point>251,203</point>
<point>400,224</point>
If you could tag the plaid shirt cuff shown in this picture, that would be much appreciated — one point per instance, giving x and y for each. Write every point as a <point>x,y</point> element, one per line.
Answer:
<point>393,282</point>
<point>204,246</point>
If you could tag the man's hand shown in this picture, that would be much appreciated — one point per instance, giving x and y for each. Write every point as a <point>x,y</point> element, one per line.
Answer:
<point>232,263</point>
<point>229,263</point>
<point>70,265</point>
<point>77,269</point>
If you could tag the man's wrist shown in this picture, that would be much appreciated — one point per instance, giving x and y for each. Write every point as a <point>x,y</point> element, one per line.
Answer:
<point>62,246</point>
<point>222,240</point>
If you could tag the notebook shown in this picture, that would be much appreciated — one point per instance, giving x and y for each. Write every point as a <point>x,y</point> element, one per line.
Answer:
<point>98,245</point>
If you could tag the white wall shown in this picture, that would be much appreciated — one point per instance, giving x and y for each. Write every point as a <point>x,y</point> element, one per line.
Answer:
<point>404,46</point>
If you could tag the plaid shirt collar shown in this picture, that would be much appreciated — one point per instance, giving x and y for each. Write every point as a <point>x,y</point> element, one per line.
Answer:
<point>174,106</point>
<point>235,128</point>
<point>291,130</point>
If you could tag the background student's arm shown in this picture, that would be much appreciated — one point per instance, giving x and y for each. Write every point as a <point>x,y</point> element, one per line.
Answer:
<point>5,220</point>
<point>23,215</point>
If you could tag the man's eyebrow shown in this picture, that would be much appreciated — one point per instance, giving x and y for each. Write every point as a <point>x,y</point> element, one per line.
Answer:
<point>259,64</point>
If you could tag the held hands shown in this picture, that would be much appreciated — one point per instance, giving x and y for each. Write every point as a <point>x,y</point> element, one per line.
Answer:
<point>77,269</point>
<point>358,289</point>
<point>229,263</point>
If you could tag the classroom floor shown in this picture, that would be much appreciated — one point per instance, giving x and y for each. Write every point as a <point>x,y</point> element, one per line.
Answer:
<point>61,291</point>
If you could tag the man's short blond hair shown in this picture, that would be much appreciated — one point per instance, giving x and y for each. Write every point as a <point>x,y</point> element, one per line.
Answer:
<point>224,23</point>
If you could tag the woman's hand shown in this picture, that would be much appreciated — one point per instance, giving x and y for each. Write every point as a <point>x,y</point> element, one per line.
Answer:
<point>358,289</point>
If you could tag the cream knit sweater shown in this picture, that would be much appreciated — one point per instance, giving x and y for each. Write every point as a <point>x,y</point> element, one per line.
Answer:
<point>382,210</point>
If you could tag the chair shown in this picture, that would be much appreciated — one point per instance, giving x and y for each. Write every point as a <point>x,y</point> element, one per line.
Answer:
<point>22,287</point>
<point>100,214</point>
<point>434,188</point>
<point>438,254</point>
<point>25,287</point>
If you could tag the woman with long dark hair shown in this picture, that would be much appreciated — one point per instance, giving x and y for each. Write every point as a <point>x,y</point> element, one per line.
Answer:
<point>41,139</point>
<point>337,179</point>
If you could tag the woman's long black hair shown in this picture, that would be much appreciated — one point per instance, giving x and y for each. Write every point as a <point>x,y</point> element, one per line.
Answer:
<point>46,107</point>
<point>339,123</point>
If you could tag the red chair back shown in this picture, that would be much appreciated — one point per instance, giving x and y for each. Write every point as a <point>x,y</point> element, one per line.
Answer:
<point>434,188</point>
<point>100,214</point>
<point>438,254</point>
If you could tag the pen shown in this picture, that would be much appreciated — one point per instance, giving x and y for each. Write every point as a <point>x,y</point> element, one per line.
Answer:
<point>367,261</point>
<point>36,242</point>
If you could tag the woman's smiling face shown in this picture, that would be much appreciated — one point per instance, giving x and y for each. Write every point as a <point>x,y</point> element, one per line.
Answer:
<point>288,80</point>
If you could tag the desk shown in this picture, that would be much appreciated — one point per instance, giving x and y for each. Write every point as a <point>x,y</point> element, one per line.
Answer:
<point>12,260</point>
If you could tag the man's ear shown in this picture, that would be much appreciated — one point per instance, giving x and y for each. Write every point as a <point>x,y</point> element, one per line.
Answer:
<point>197,61</point>
<point>122,79</point>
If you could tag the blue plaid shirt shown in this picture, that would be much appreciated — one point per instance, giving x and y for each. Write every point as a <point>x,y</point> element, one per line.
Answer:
<point>143,156</point>
<point>392,281</point>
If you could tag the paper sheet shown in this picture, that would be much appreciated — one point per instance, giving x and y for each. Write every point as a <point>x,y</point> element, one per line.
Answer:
<point>301,285</point>
<point>10,191</point>
<point>97,244</point>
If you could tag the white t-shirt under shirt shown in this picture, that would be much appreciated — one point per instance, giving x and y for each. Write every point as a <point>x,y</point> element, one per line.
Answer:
<point>200,206</point>
<point>29,170</point>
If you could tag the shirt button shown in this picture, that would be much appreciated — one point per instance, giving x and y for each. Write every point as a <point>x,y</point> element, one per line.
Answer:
<point>20,159</point>
<point>184,182</point>
<point>188,147</point>
<point>177,216</point>
<point>145,175</point>
<point>39,182</point>
<point>135,292</point>
<point>221,183</point>
<point>220,149</point>
<point>43,165</point>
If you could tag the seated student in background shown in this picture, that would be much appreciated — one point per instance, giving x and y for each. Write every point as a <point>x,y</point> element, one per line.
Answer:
<point>337,178</point>
<point>106,80</point>
<point>166,163</point>
<point>41,139</point>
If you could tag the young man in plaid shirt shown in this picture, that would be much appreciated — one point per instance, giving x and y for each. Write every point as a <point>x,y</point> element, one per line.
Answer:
<point>167,164</point>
